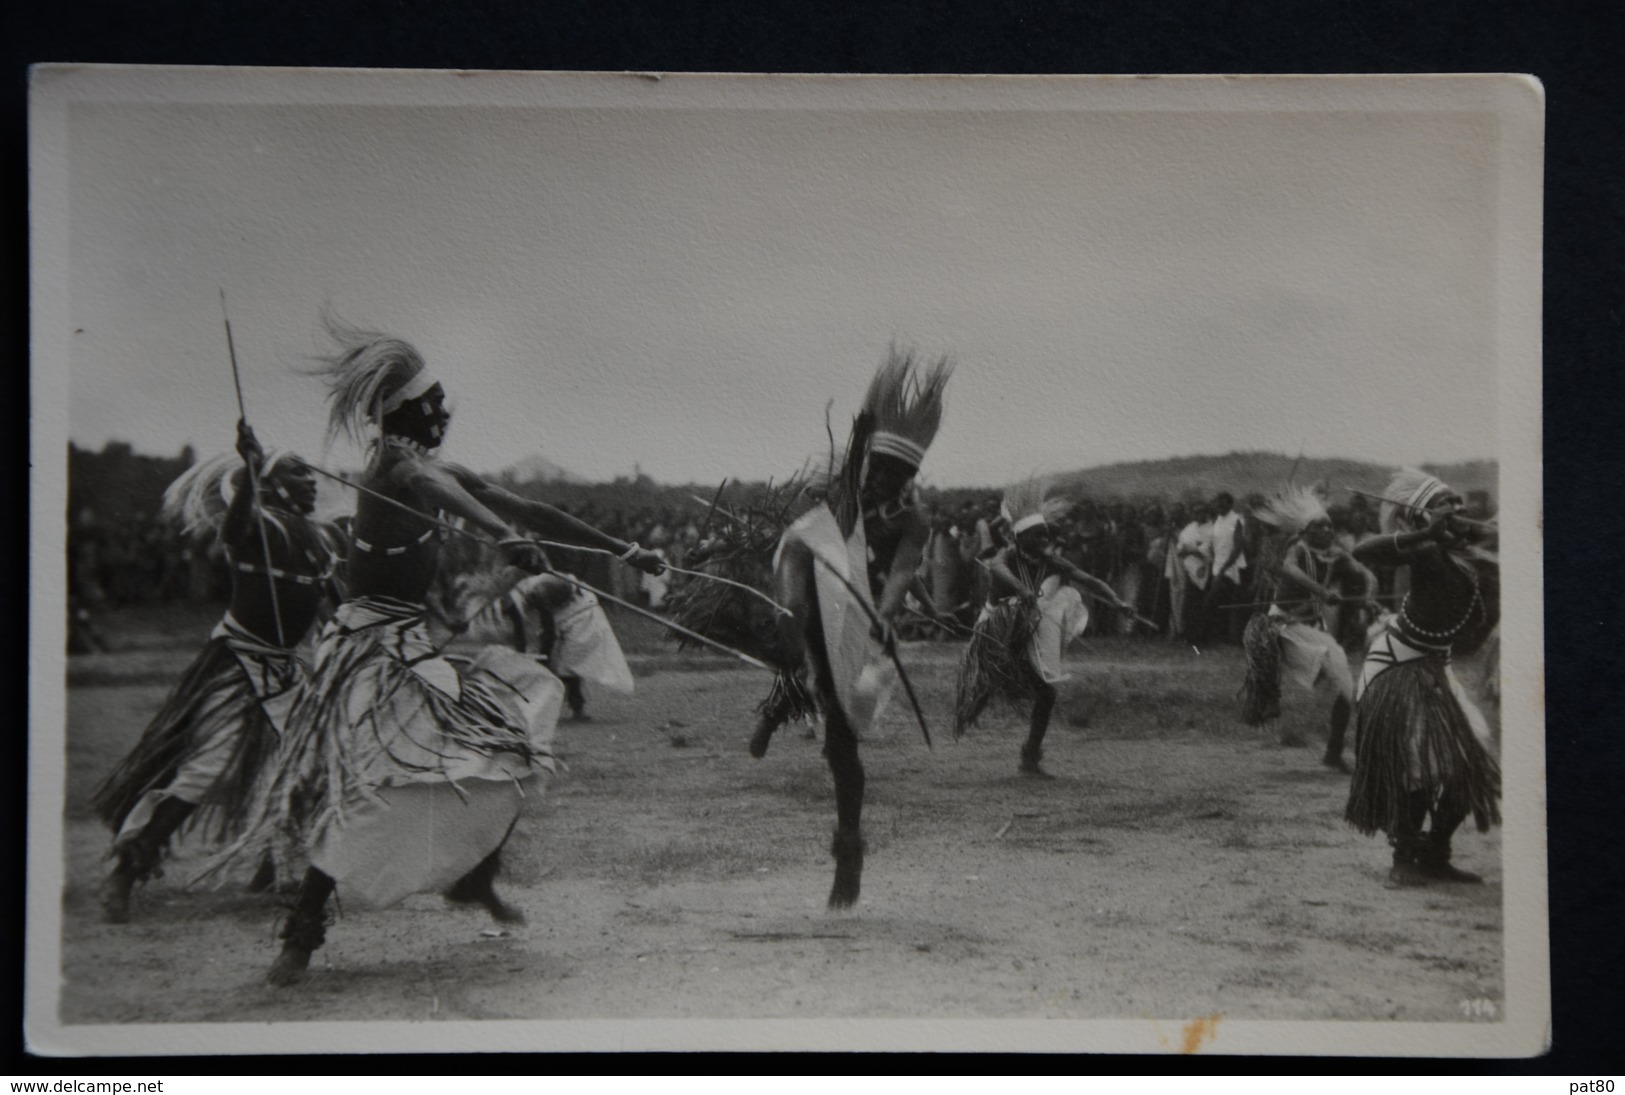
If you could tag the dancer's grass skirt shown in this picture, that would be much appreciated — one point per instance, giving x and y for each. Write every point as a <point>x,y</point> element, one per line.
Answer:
<point>383,711</point>
<point>208,745</point>
<point>997,664</point>
<point>1413,735</point>
<point>1261,689</point>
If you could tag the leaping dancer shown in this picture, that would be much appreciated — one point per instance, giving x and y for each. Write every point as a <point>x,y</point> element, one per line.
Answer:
<point>405,768</point>
<point>843,570</point>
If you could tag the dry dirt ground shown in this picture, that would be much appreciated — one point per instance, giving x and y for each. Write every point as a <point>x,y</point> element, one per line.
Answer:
<point>1180,865</point>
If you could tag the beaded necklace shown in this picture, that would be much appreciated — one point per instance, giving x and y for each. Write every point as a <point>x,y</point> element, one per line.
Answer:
<point>1449,632</point>
<point>397,441</point>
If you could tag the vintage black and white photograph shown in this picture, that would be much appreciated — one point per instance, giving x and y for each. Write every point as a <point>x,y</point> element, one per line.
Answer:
<point>647,561</point>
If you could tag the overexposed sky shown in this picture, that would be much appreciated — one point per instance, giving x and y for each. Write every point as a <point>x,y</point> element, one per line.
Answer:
<point>685,290</point>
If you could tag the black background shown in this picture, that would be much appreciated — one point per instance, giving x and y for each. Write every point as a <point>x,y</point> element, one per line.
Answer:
<point>1575,51</point>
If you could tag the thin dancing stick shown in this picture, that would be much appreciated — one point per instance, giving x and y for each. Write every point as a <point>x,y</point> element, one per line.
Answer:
<point>544,543</point>
<point>253,477</point>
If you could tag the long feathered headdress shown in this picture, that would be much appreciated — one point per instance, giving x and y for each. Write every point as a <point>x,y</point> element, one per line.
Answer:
<point>904,403</point>
<point>1029,503</point>
<point>899,417</point>
<point>1407,497</point>
<point>372,375</point>
<point>197,501</point>
<point>1291,509</point>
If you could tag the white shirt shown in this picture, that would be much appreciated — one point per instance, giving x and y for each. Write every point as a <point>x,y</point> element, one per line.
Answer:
<point>1198,538</point>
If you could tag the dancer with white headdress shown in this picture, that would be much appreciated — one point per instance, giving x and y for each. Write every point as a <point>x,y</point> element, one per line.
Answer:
<point>407,769</point>
<point>198,762</point>
<point>1422,749</point>
<point>1291,640</point>
<point>1031,615</point>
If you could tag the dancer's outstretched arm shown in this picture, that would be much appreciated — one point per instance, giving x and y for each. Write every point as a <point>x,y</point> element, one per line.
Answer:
<point>1086,580</point>
<point>549,520</point>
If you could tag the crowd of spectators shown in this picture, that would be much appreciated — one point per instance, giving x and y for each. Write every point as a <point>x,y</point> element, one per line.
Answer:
<point>1196,568</point>
<point>134,559</point>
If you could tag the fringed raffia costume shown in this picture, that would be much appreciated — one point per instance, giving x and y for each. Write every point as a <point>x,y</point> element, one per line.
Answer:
<point>1016,649</point>
<point>1291,641</point>
<point>210,740</point>
<point>1422,747</point>
<point>404,768</point>
<point>1031,615</point>
<point>199,763</point>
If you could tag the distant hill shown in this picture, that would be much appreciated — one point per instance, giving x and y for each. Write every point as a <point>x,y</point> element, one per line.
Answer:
<point>537,469</point>
<point>1242,473</point>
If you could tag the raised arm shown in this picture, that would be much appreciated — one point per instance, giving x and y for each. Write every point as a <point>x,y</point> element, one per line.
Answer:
<point>239,524</point>
<point>1399,548</point>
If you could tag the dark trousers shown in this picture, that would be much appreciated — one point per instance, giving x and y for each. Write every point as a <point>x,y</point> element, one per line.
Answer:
<point>1226,620</point>
<point>1198,615</point>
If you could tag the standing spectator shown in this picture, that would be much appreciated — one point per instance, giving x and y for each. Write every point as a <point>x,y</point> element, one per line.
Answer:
<point>1195,550</point>
<point>1083,545</point>
<point>1173,575</point>
<point>1253,535</point>
<point>1228,587</point>
<point>1109,557</point>
<point>86,547</point>
<point>1154,595</point>
<point>1130,583</point>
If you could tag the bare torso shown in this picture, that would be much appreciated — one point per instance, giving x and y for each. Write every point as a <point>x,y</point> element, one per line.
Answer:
<point>1444,597</point>
<point>305,561</point>
<point>394,553</point>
